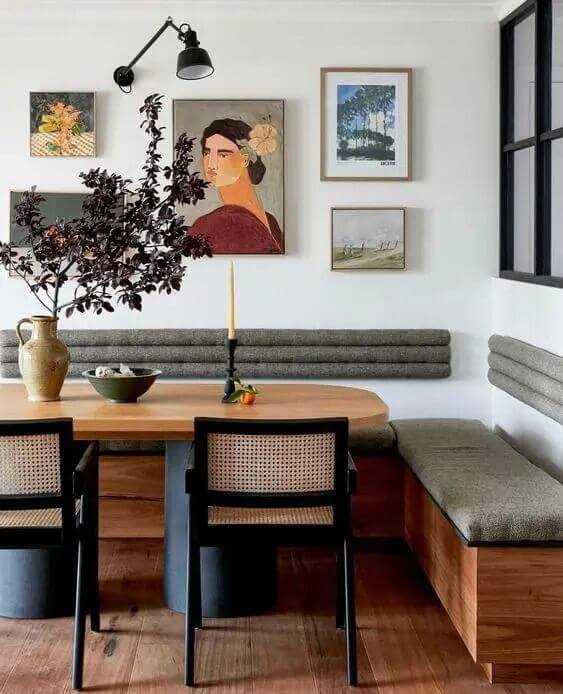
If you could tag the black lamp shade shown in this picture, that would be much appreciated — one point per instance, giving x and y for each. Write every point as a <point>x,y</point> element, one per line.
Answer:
<point>194,63</point>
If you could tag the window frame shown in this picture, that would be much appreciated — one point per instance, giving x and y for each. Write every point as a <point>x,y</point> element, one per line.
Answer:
<point>539,143</point>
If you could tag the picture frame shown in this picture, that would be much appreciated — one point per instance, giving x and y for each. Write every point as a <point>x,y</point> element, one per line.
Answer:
<point>62,124</point>
<point>366,124</point>
<point>240,124</point>
<point>368,238</point>
<point>57,204</point>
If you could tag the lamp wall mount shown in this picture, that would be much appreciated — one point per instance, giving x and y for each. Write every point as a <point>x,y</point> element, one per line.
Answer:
<point>193,61</point>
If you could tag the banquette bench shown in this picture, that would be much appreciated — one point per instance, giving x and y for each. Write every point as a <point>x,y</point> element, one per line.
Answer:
<point>132,487</point>
<point>486,525</point>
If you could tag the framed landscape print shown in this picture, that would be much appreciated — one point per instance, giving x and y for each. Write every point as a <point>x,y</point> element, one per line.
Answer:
<point>239,150</point>
<point>368,238</point>
<point>365,124</point>
<point>62,124</point>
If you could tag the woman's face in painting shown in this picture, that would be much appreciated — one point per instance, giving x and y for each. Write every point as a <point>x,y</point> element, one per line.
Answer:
<point>223,162</point>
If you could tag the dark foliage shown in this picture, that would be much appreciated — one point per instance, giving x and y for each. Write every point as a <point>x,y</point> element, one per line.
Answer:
<point>130,241</point>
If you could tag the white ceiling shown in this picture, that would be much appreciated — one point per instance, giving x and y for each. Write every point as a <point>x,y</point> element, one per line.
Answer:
<point>446,9</point>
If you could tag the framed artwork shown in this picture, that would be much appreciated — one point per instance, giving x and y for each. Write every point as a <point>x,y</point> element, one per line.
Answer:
<point>240,151</point>
<point>62,124</point>
<point>55,206</point>
<point>366,124</point>
<point>368,238</point>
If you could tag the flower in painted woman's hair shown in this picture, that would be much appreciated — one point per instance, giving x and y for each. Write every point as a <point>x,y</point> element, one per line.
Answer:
<point>263,139</point>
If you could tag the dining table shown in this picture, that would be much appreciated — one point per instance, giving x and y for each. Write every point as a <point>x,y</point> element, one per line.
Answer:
<point>237,580</point>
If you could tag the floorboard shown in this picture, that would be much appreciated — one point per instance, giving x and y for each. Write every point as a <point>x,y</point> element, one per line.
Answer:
<point>406,643</point>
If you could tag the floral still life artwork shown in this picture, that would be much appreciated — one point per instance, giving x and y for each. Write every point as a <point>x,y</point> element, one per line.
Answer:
<point>62,124</point>
<point>240,153</point>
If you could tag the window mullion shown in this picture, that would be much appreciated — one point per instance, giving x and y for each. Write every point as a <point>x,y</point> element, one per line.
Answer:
<point>507,158</point>
<point>542,216</point>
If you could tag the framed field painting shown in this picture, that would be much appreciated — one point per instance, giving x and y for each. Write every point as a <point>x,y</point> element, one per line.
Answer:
<point>368,238</point>
<point>365,124</point>
<point>62,124</point>
<point>239,150</point>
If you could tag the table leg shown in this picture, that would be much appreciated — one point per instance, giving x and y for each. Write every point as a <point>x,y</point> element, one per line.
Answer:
<point>236,580</point>
<point>37,583</point>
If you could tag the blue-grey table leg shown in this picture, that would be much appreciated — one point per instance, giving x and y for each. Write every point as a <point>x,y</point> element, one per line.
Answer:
<point>37,583</point>
<point>236,580</point>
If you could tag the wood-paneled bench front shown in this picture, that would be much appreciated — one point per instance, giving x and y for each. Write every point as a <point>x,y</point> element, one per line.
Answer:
<point>486,526</point>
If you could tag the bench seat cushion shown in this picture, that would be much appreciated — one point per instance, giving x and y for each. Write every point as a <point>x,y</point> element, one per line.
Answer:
<point>491,493</point>
<point>366,441</point>
<point>371,440</point>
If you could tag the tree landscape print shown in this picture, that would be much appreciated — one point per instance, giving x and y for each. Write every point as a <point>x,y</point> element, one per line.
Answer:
<point>368,239</point>
<point>366,122</point>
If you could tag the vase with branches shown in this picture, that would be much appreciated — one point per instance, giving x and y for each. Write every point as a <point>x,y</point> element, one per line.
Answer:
<point>129,242</point>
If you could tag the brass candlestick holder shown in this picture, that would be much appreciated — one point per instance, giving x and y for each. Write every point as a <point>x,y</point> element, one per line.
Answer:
<point>230,380</point>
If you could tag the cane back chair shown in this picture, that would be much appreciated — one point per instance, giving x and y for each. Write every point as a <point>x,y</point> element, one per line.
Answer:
<point>49,499</point>
<point>283,482</point>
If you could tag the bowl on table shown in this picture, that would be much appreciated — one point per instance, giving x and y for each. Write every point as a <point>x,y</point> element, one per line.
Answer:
<point>123,388</point>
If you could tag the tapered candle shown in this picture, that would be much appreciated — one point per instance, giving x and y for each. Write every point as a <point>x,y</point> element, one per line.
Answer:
<point>232,333</point>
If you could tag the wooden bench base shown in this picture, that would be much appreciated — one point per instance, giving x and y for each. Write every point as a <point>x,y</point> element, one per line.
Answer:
<point>506,603</point>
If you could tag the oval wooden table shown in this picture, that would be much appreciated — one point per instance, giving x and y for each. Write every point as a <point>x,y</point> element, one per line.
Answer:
<point>235,581</point>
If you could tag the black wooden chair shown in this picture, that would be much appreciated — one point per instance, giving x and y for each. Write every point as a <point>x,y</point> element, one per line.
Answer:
<point>49,498</point>
<point>282,482</point>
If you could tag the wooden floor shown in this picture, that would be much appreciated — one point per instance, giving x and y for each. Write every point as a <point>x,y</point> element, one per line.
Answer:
<point>407,643</point>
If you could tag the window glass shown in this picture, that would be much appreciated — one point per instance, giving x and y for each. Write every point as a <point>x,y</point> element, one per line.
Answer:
<point>557,208</point>
<point>524,210</point>
<point>524,78</point>
<point>557,66</point>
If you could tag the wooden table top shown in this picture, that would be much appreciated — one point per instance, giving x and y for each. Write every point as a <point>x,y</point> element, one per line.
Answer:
<point>167,411</point>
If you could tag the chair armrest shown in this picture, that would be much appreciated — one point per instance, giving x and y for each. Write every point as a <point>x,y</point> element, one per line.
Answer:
<point>352,475</point>
<point>85,476</point>
<point>191,474</point>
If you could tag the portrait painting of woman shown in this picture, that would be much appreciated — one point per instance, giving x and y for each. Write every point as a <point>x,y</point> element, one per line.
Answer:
<point>240,154</point>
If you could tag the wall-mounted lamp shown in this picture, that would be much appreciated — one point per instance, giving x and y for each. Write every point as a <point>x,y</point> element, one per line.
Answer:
<point>194,62</point>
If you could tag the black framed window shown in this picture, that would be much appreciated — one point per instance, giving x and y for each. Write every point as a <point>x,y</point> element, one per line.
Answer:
<point>531,137</point>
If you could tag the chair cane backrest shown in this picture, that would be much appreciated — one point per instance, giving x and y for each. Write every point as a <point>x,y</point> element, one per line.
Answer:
<point>30,464</point>
<point>36,475</point>
<point>257,464</point>
<point>271,464</point>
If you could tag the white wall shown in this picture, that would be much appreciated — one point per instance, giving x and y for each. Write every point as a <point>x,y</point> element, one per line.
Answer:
<point>261,52</point>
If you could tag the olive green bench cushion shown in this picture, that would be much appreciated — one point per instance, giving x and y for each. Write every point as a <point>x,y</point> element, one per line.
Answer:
<point>490,493</point>
<point>366,441</point>
<point>371,440</point>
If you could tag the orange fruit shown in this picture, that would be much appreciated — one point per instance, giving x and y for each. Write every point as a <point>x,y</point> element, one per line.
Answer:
<point>248,398</point>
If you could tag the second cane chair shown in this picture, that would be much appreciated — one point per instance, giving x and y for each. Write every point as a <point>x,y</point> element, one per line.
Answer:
<point>283,482</point>
<point>49,498</point>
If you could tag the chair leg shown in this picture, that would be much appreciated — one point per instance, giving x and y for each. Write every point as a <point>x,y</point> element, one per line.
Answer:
<point>340,597</point>
<point>94,588</point>
<point>79,618</point>
<point>197,588</point>
<point>191,601</point>
<point>350,614</point>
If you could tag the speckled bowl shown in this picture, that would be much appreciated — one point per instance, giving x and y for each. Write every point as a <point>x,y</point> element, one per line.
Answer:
<point>123,388</point>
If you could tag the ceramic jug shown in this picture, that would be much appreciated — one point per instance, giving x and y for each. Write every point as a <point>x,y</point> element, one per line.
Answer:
<point>43,359</point>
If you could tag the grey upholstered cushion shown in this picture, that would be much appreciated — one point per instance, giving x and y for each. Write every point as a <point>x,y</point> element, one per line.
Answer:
<point>531,356</point>
<point>371,440</point>
<point>491,493</point>
<point>280,354</point>
<point>256,336</point>
<point>528,373</point>
<point>367,441</point>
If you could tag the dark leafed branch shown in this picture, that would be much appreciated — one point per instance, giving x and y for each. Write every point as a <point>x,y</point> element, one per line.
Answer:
<point>129,241</point>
